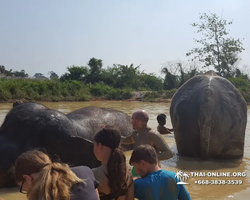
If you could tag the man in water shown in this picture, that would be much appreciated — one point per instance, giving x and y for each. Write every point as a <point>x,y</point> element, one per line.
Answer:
<point>145,135</point>
<point>155,182</point>
<point>161,128</point>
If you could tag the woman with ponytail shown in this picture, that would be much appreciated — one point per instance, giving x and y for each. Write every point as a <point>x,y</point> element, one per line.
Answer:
<point>42,179</point>
<point>116,181</point>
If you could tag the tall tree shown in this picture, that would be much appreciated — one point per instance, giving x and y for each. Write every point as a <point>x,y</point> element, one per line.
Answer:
<point>95,69</point>
<point>218,50</point>
<point>74,73</point>
<point>53,75</point>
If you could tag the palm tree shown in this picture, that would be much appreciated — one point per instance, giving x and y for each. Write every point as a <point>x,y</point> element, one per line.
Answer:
<point>179,174</point>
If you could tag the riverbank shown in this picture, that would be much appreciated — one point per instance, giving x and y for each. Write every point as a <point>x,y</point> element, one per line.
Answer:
<point>30,90</point>
<point>143,96</point>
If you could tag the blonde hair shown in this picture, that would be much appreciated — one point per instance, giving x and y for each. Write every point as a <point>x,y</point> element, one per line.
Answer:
<point>54,180</point>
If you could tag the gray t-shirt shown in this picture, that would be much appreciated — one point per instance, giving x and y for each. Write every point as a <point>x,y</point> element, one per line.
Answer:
<point>86,191</point>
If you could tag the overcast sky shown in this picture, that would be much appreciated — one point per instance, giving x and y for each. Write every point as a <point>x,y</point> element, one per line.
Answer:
<point>49,35</point>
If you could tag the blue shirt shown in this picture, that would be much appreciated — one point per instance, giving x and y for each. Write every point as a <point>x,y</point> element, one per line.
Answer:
<point>160,185</point>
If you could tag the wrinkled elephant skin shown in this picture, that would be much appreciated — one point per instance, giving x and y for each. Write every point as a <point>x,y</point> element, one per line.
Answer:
<point>209,118</point>
<point>65,137</point>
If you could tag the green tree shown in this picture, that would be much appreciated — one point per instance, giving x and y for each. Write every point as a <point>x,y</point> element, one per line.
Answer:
<point>170,81</point>
<point>21,74</point>
<point>75,73</point>
<point>218,50</point>
<point>53,75</point>
<point>128,76</point>
<point>2,69</point>
<point>151,81</point>
<point>95,69</point>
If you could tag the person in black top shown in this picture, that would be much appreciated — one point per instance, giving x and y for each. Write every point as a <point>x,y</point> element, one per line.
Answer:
<point>116,181</point>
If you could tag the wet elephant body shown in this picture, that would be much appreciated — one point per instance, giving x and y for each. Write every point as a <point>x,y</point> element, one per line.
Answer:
<point>65,137</point>
<point>209,118</point>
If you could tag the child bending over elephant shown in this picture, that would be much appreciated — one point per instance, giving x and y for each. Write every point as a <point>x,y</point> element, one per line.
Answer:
<point>161,128</point>
<point>42,179</point>
<point>116,181</point>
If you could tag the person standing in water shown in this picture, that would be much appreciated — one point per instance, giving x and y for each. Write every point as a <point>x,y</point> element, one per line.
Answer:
<point>145,135</point>
<point>161,128</point>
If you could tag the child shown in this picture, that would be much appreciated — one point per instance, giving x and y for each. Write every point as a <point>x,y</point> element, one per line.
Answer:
<point>161,128</point>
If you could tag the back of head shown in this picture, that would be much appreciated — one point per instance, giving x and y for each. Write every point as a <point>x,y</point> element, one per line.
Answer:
<point>144,152</point>
<point>110,137</point>
<point>141,115</point>
<point>30,162</point>
<point>161,117</point>
<point>54,180</point>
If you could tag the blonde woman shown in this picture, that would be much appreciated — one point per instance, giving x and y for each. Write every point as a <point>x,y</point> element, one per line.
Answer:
<point>42,179</point>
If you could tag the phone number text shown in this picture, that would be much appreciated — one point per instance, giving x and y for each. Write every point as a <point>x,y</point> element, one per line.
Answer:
<point>219,182</point>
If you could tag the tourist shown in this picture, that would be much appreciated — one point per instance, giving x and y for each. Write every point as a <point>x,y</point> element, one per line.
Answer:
<point>155,183</point>
<point>42,179</point>
<point>116,181</point>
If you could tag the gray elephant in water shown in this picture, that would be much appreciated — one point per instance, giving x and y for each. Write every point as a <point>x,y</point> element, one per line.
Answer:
<point>209,118</point>
<point>66,137</point>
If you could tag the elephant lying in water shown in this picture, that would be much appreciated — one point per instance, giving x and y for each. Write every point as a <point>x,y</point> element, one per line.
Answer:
<point>209,118</point>
<point>31,125</point>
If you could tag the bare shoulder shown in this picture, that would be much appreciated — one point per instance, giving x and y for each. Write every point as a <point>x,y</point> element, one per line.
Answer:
<point>99,173</point>
<point>153,133</point>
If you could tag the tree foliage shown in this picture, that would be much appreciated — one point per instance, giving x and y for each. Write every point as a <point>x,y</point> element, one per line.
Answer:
<point>218,50</point>
<point>53,75</point>
<point>74,73</point>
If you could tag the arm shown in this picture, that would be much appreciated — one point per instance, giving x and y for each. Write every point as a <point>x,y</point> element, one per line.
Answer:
<point>160,145</point>
<point>130,193</point>
<point>97,193</point>
<point>163,130</point>
<point>128,140</point>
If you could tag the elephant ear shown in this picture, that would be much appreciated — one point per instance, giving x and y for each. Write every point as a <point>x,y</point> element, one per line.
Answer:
<point>79,151</point>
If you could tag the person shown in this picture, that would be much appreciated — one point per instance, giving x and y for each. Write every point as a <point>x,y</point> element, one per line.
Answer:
<point>145,135</point>
<point>116,181</point>
<point>161,128</point>
<point>154,183</point>
<point>42,179</point>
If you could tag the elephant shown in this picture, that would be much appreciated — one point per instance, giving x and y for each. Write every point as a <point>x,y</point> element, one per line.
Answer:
<point>66,137</point>
<point>209,117</point>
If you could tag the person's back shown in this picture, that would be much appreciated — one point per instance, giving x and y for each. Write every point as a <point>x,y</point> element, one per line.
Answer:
<point>85,190</point>
<point>155,183</point>
<point>160,185</point>
<point>115,179</point>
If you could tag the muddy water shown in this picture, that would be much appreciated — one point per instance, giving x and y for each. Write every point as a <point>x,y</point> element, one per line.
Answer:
<point>197,191</point>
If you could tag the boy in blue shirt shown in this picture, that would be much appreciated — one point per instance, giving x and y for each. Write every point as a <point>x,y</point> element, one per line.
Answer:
<point>155,184</point>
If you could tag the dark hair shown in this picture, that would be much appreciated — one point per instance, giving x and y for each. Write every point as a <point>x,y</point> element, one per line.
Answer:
<point>161,117</point>
<point>144,152</point>
<point>116,166</point>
